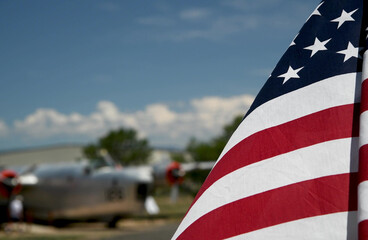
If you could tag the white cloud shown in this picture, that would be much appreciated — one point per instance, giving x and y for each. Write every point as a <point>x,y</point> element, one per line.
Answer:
<point>213,112</point>
<point>109,6</point>
<point>238,17</point>
<point>217,28</point>
<point>194,14</point>
<point>3,129</point>
<point>162,125</point>
<point>158,21</point>
<point>250,4</point>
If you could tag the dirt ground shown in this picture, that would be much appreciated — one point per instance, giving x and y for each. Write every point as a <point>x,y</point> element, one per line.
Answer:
<point>140,227</point>
<point>155,229</point>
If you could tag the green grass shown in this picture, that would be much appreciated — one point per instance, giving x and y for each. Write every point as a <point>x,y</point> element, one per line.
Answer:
<point>169,210</point>
<point>174,210</point>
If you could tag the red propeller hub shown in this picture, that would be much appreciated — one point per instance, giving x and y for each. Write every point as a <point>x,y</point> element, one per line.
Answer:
<point>174,173</point>
<point>7,185</point>
<point>7,174</point>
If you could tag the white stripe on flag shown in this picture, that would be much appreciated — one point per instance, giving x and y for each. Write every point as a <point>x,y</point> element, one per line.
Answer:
<point>331,92</point>
<point>300,165</point>
<point>365,66</point>
<point>363,131</point>
<point>363,140</point>
<point>363,196</point>
<point>330,226</point>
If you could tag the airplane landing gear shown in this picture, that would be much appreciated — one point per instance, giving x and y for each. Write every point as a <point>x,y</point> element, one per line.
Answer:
<point>113,222</point>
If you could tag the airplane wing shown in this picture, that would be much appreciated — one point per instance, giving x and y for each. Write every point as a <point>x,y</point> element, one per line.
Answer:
<point>28,179</point>
<point>198,166</point>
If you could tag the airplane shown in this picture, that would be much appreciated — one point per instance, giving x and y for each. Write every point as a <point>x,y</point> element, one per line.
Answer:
<point>86,190</point>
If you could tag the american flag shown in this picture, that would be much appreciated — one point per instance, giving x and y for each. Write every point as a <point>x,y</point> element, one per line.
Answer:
<point>290,170</point>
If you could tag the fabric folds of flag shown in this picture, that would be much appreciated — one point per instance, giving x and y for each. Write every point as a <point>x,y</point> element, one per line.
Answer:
<point>290,170</point>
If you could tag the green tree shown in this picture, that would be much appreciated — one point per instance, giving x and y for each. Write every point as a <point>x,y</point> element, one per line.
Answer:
<point>210,150</point>
<point>123,145</point>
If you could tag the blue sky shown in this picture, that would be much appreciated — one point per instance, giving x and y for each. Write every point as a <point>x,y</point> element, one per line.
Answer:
<point>72,70</point>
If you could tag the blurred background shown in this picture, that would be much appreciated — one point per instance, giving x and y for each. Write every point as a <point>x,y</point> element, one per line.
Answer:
<point>73,70</point>
<point>148,81</point>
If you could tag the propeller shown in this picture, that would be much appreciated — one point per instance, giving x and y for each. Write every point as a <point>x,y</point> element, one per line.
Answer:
<point>175,176</point>
<point>9,183</point>
<point>12,182</point>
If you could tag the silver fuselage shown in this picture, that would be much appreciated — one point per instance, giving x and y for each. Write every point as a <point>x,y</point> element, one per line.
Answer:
<point>75,191</point>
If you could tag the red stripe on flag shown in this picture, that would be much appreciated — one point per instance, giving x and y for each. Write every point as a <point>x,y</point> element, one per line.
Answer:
<point>331,194</point>
<point>364,97</point>
<point>363,229</point>
<point>363,166</point>
<point>330,124</point>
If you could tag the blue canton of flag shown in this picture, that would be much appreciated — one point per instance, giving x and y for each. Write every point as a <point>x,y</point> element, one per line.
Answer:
<point>319,51</point>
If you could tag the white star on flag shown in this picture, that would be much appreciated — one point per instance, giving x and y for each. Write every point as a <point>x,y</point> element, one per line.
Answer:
<point>317,46</point>
<point>345,17</point>
<point>316,12</point>
<point>292,42</point>
<point>350,52</point>
<point>291,73</point>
